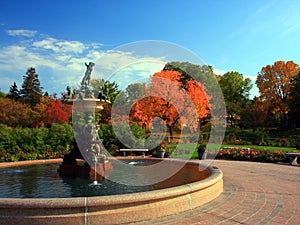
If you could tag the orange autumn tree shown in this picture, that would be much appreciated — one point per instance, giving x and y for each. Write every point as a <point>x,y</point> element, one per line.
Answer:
<point>16,114</point>
<point>275,83</point>
<point>172,100</point>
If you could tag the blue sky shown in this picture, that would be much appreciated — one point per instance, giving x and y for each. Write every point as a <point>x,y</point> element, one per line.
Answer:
<point>58,37</point>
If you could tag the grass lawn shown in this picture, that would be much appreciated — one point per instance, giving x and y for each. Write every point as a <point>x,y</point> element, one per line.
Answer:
<point>186,151</point>
<point>258,147</point>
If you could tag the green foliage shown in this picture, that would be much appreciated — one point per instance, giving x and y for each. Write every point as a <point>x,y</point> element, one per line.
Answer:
<point>2,95</point>
<point>135,91</point>
<point>203,74</point>
<point>235,91</point>
<point>110,89</point>
<point>112,143</point>
<point>263,137</point>
<point>61,134</point>
<point>108,137</point>
<point>34,143</point>
<point>140,133</point>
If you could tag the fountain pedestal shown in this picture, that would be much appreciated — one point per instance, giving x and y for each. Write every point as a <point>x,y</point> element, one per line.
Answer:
<point>87,146</point>
<point>74,164</point>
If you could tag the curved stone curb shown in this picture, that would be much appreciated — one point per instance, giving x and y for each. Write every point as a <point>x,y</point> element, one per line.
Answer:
<point>254,193</point>
<point>29,162</point>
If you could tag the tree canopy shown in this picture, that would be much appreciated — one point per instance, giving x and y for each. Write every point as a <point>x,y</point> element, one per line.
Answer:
<point>235,90</point>
<point>110,89</point>
<point>52,111</point>
<point>255,115</point>
<point>294,101</point>
<point>172,100</point>
<point>16,114</point>
<point>135,91</point>
<point>275,83</point>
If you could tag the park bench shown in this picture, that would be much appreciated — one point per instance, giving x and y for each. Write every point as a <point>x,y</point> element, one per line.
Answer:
<point>293,158</point>
<point>143,150</point>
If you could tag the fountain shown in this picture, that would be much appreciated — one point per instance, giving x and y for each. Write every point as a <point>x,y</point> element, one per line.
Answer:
<point>84,101</point>
<point>174,195</point>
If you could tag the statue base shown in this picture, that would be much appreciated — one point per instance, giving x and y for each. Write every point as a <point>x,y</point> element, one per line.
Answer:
<point>71,170</point>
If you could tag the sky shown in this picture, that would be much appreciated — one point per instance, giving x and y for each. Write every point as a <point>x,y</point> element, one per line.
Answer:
<point>58,37</point>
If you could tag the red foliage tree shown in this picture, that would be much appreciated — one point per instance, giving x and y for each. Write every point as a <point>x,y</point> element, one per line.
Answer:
<point>53,111</point>
<point>172,100</point>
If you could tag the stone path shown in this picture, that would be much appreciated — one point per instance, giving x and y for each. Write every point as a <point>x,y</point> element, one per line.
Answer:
<point>254,193</point>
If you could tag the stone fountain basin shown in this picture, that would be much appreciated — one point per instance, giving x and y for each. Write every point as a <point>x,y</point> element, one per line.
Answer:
<point>114,209</point>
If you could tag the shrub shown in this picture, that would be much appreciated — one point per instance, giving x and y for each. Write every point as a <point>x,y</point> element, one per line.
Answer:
<point>34,143</point>
<point>109,138</point>
<point>169,150</point>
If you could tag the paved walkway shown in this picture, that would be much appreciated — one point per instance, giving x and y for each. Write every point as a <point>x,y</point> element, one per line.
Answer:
<point>254,193</point>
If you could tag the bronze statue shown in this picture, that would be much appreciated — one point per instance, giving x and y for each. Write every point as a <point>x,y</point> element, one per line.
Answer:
<point>87,76</point>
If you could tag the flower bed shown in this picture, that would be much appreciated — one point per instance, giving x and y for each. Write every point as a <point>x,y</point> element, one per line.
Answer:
<point>248,154</point>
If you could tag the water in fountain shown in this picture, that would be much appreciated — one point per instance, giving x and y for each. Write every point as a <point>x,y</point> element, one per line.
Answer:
<point>42,181</point>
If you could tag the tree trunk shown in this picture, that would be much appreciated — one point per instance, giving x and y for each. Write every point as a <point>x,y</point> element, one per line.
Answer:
<point>171,131</point>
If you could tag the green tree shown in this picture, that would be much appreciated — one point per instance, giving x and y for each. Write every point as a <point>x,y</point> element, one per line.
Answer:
<point>111,89</point>
<point>135,91</point>
<point>236,93</point>
<point>31,90</point>
<point>203,74</point>
<point>14,92</point>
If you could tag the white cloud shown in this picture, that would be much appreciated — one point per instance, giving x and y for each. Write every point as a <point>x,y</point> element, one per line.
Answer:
<point>219,71</point>
<point>61,46</point>
<point>139,71</point>
<point>61,62</point>
<point>7,82</point>
<point>251,77</point>
<point>48,43</point>
<point>25,33</point>
<point>222,72</point>
<point>114,61</point>
<point>126,68</point>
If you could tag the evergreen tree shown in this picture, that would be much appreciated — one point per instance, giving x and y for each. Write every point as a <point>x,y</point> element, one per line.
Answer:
<point>31,91</point>
<point>14,92</point>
